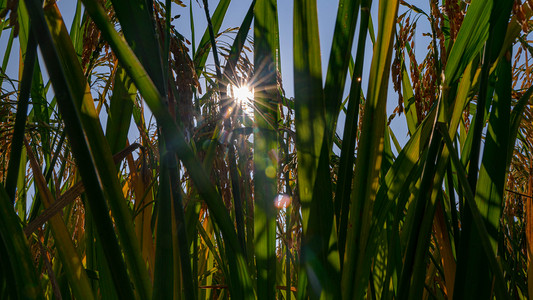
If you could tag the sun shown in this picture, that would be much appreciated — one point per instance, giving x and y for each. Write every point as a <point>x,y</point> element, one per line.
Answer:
<point>243,95</point>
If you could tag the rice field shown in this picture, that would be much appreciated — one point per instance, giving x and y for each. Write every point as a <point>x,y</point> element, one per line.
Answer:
<point>137,164</point>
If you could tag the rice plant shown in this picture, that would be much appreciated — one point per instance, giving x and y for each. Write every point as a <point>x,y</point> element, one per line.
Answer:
<point>143,165</point>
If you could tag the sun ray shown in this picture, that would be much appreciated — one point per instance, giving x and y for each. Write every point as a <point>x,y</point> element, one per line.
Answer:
<point>244,97</point>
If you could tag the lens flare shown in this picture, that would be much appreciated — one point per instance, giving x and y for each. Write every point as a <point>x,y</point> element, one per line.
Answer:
<point>282,201</point>
<point>243,96</point>
<point>243,93</point>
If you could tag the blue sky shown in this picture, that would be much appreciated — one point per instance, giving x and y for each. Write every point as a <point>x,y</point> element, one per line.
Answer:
<point>327,10</point>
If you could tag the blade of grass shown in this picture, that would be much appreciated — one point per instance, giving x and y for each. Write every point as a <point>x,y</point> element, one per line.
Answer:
<point>193,31</point>
<point>211,246</point>
<point>100,151</point>
<point>419,228</point>
<point>473,276</point>
<point>204,46</point>
<point>120,110</point>
<point>76,33</point>
<point>408,100</point>
<point>26,282</point>
<point>7,54</point>
<point>442,235</point>
<point>166,39</point>
<point>69,257</point>
<point>163,269</point>
<point>136,20</point>
<point>339,58</point>
<point>265,145</point>
<point>238,44</point>
<point>17,158</point>
<point>499,282</point>
<point>516,118</point>
<point>427,219</point>
<point>66,198</point>
<point>181,230</point>
<point>490,188</point>
<point>80,147</point>
<point>144,195</point>
<point>319,265</point>
<point>417,238</point>
<point>234,174</point>
<point>368,163</point>
<point>345,175</point>
<point>470,40</point>
<point>176,142</point>
<point>20,119</point>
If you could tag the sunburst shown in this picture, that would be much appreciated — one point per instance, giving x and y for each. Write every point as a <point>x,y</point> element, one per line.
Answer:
<point>244,96</point>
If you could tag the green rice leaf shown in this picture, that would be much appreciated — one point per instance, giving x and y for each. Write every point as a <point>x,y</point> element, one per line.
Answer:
<point>266,98</point>
<point>369,159</point>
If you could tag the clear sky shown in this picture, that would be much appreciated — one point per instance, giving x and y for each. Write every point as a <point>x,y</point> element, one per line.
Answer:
<point>327,10</point>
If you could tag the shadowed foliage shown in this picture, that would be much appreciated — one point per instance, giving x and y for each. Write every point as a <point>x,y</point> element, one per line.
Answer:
<point>142,164</point>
